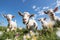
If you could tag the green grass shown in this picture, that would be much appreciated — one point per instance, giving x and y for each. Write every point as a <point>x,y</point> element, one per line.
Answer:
<point>42,35</point>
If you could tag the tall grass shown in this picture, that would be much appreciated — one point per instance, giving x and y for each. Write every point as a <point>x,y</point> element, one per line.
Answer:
<point>19,34</point>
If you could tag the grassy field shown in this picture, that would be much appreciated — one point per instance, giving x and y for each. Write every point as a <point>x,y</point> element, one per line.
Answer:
<point>22,34</point>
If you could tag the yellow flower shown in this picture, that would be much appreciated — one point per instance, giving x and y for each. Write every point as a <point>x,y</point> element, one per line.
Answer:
<point>27,36</point>
<point>32,33</point>
<point>34,38</point>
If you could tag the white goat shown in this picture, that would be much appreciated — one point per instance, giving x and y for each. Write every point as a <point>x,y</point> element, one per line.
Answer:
<point>30,23</point>
<point>51,14</point>
<point>45,24</point>
<point>11,24</point>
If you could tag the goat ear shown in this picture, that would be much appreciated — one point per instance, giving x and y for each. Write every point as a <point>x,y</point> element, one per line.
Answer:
<point>13,16</point>
<point>5,16</point>
<point>55,9</point>
<point>20,13</point>
<point>32,15</point>
<point>45,12</point>
<point>44,18</point>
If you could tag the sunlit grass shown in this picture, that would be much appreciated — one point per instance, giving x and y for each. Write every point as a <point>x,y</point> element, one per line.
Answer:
<point>20,32</point>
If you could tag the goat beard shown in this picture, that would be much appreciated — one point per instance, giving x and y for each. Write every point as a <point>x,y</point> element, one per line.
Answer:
<point>25,22</point>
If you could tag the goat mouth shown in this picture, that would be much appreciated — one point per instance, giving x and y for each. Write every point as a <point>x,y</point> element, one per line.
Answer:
<point>24,22</point>
<point>8,19</point>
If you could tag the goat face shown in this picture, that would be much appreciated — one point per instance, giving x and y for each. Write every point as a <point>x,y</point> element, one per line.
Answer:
<point>42,20</point>
<point>51,12</point>
<point>8,17</point>
<point>25,16</point>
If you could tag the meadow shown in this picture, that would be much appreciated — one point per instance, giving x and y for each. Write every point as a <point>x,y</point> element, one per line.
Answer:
<point>23,34</point>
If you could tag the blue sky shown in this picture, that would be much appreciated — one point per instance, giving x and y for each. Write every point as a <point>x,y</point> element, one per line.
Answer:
<point>32,6</point>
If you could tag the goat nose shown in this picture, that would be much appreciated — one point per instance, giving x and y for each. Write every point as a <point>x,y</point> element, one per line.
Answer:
<point>8,19</point>
<point>24,19</point>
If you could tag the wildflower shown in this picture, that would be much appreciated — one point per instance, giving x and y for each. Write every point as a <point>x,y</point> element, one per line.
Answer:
<point>58,33</point>
<point>1,33</point>
<point>17,35</point>
<point>28,36</point>
<point>7,29</point>
<point>32,33</point>
<point>8,39</point>
<point>24,37</point>
<point>34,38</point>
<point>20,28</point>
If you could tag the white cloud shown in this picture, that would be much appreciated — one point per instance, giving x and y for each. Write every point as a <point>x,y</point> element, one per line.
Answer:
<point>45,7</point>
<point>37,9</point>
<point>58,2</point>
<point>41,12</point>
<point>34,6</point>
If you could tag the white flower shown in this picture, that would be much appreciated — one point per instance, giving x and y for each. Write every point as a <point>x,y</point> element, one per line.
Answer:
<point>20,28</point>
<point>24,37</point>
<point>32,33</point>
<point>8,29</point>
<point>1,33</point>
<point>27,36</point>
<point>16,38</point>
<point>37,33</point>
<point>8,39</point>
<point>58,33</point>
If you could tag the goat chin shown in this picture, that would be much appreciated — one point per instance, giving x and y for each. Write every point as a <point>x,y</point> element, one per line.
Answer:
<point>13,25</point>
<point>31,24</point>
<point>24,22</point>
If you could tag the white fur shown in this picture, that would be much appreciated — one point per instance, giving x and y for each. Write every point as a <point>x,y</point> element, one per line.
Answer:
<point>51,17</point>
<point>31,23</point>
<point>28,20</point>
<point>46,24</point>
<point>26,16</point>
<point>12,24</point>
